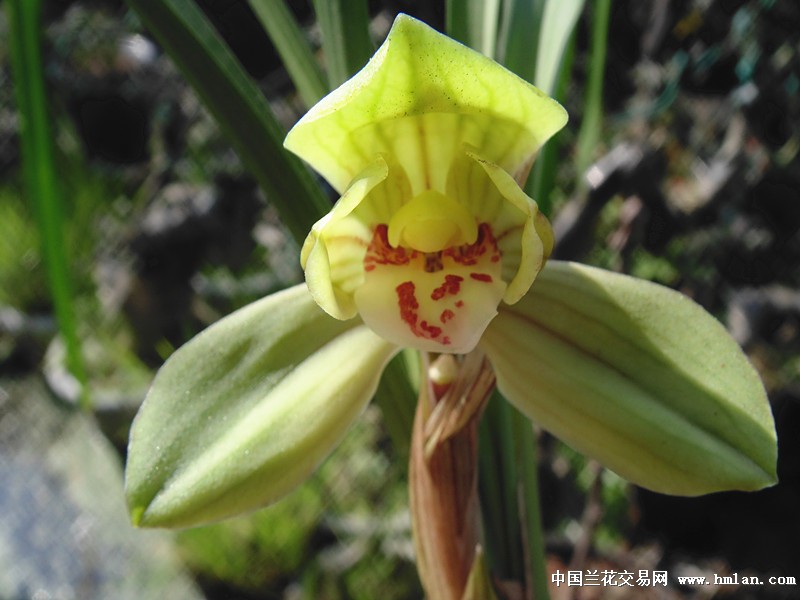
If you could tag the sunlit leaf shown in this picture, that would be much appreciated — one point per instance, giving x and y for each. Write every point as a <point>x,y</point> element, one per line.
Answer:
<point>293,48</point>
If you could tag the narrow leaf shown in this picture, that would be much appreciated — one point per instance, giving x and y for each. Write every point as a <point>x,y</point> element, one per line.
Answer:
<point>501,467</point>
<point>589,133</point>
<point>489,24</point>
<point>239,107</point>
<point>530,506</point>
<point>541,183</point>
<point>473,23</point>
<point>392,397</point>
<point>245,411</point>
<point>457,21</point>
<point>637,376</point>
<point>345,37</point>
<point>558,21</point>
<point>293,48</point>
<point>39,172</point>
<point>519,36</point>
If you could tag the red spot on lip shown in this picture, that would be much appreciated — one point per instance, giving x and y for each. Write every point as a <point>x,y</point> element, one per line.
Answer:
<point>485,277</point>
<point>380,252</point>
<point>469,254</point>
<point>407,302</point>
<point>451,285</point>
<point>459,304</point>
<point>446,315</point>
<point>432,330</point>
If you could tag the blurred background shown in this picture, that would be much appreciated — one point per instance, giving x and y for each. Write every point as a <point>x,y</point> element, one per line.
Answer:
<point>693,182</point>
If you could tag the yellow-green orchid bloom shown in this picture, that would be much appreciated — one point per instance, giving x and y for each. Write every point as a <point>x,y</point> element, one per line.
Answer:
<point>432,231</point>
<point>434,246</point>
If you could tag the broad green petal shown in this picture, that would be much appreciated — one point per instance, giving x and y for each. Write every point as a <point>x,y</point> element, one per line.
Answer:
<point>637,376</point>
<point>245,411</point>
<point>420,99</point>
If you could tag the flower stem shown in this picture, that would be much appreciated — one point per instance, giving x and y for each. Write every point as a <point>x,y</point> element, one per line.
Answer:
<point>443,479</point>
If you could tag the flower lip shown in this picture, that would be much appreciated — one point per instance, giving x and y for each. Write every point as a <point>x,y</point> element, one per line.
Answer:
<point>439,301</point>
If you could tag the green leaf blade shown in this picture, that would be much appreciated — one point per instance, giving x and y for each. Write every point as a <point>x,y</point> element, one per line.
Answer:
<point>519,36</point>
<point>41,180</point>
<point>589,135</point>
<point>473,23</point>
<point>245,411</point>
<point>239,107</point>
<point>637,376</point>
<point>289,41</point>
<point>345,37</point>
<point>558,21</point>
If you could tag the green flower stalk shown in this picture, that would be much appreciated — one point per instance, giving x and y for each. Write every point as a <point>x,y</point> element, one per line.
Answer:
<point>434,246</point>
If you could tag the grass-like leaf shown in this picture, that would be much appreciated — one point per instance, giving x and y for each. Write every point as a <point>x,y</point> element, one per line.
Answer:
<point>291,44</point>
<point>525,454</point>
<point>543,177</point>
<point>474,23</point>
<point>589,133</point>
<point>345,37</point>
<point>519,36</point>
<point>559,18</point>
<point>535,42</point>
<point>39,171</point>
<point>238,106</point>
<point>558,21</point>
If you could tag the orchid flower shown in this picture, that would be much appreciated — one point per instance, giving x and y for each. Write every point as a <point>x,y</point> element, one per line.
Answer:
<point>434,246</point>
